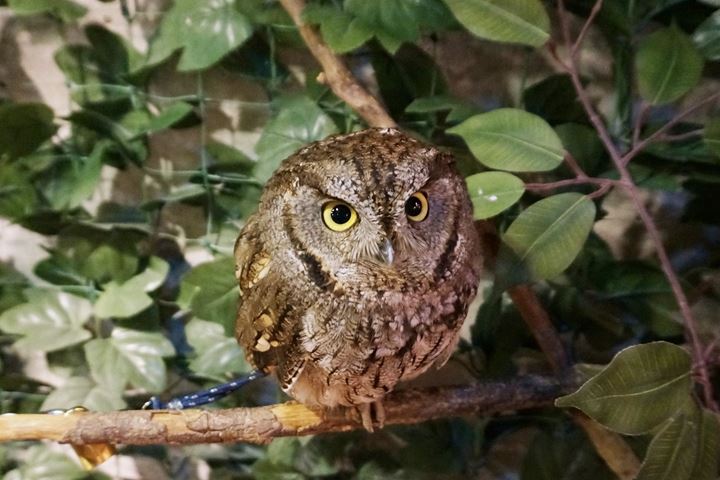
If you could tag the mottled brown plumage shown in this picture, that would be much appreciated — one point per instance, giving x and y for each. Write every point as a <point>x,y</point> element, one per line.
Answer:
<point>342,316</point>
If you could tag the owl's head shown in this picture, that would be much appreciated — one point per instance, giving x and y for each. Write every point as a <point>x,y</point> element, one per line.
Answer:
<point>375,200</point>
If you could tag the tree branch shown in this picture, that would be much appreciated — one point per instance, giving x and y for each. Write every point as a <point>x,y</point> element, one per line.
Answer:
<point>335,74</point>
<point>262,424</point>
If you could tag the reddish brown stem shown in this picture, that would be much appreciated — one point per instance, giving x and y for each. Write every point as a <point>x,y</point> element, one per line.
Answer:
<point>539,323</point>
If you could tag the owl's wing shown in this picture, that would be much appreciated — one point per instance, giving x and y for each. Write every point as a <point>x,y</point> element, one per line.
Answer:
<point>266,318</point>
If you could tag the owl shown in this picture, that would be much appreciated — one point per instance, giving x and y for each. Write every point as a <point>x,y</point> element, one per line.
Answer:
<point>357,269</point>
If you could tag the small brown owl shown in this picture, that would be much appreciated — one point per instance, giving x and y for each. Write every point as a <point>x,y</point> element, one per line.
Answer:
<point>357,270</point>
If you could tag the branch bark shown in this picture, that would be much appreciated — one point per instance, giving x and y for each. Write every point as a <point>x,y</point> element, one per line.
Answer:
<point>262,424</point>
<point>335,74</point>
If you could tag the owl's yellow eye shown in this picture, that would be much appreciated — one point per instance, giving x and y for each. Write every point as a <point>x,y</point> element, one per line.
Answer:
<point>339,216</point>
<point>416,207</point>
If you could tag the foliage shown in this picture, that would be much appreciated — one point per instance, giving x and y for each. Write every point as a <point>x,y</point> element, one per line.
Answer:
<point>120,308</point>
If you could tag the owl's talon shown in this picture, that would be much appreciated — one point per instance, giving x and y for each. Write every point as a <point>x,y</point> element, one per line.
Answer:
<point>366,414</point>
<point>364,409</point>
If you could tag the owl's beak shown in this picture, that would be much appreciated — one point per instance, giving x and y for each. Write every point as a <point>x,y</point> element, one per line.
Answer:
<point>387,252</point>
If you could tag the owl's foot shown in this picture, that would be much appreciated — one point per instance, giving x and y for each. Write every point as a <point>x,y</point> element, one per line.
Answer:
<point>366,414</point>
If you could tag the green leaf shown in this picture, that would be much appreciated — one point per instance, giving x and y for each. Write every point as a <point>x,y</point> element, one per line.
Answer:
<point>51,320</point>
<point>24,127</point>
<point>642,387</point>
<point>171,115</point>
<point>493,192</point>
<point>41,463</point>
<point>668,65</point>
<point>707,37</point>
<point>299,122</point>
<point>65,10</point>
<point>130,298</point>
<point>215,354</point>
<point>512,140</point>
<point>514,21</point>
<point>205,31</point>
<point>583,144</point>
<point>211,293</point>
<point>549,234</point>
<point>129,356</point>
<point>672,452</point>
<point>82,391</point>
<point>712,135</point>
<point>708,441</point>
<point>554,99</point>
<point>457,109</point>
<point>17,194</point>
<point>72,179</point>
<point>341,30</point>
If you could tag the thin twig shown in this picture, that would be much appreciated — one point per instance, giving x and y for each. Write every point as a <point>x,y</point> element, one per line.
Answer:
<point>262,424</point>
<point>679,137</point>
<point>640,117</point>
<point>633,192</point>
<point>658,134</point>
<point>586,27</point>
<point>336,75</point>
<point>568,182</point>
<point>539,323</point>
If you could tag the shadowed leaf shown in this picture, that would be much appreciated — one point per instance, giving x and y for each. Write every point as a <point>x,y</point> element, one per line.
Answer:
<point>642,387</point>
<point>514,21</point>
<point>549,234</point>
<point>668,66</point>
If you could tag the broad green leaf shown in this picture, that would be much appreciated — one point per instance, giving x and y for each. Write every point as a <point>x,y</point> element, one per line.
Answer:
<point>672,452</point>
<point>129,356</point>
<point>549,234</point>
<point>583,144</point>
<point>712,135</point>
<point>707,37</point>
<point>118,132</point>
<point>642,387</point>
<point>24,127</point>
<point>708,441</point>
<point>299,122</point>
<point>514,21</point>
<point>211,293</point>
<point>457,109</point>
<point>152,277</point>
<point>206,32</point>
<point>42,463</point>
<point>72,180</point>
<point>394,22</point>
<point>668,65</point>
<point>84,392</point>
<point>12,284</point>
<point>65,10</point>
<point>215,354</point>
<point>122,300</point>
<point>341,30</point>
<point>171,115</point>
<point>554,99</point>
<point>493,192</point>
<point>51,320</point>
<point>18,197</point>
<point>512,140</point>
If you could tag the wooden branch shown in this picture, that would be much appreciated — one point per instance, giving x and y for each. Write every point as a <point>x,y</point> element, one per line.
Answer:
<point>539,323</point>
<point>262,424</point>
<point>335,74</point>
